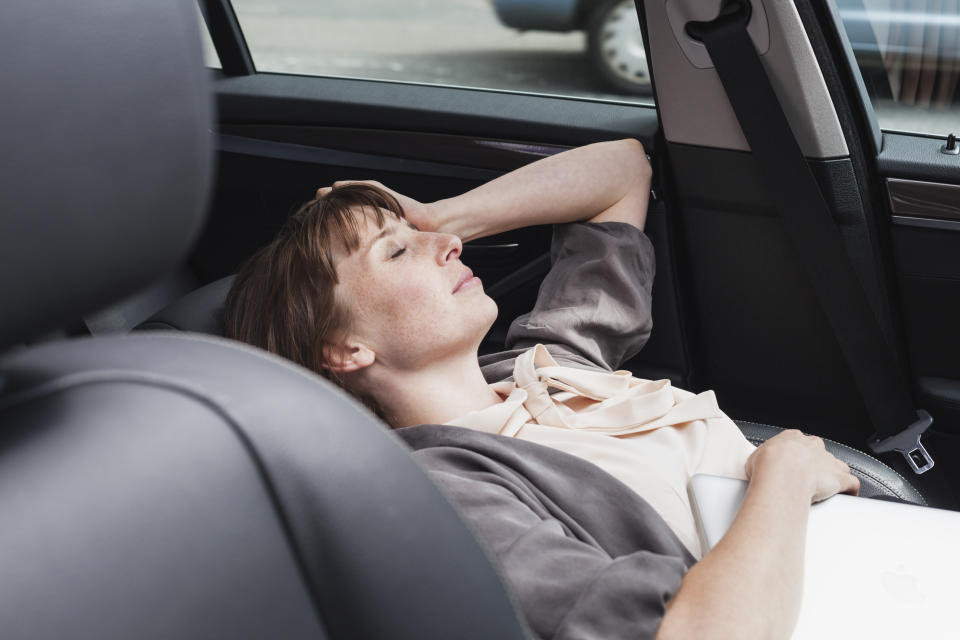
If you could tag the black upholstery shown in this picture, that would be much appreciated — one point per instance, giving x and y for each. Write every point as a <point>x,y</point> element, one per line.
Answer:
<point>876,478</point>
<point>176,486</point>
<point>200,311</point>
<point>104,176</point>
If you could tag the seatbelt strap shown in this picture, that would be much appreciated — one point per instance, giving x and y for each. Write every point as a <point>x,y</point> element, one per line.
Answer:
<point>792,187</point>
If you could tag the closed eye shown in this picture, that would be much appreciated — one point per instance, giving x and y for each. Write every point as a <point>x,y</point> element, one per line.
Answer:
<point>398,253</point>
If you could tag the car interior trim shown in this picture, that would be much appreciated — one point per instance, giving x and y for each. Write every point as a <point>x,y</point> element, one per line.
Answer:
<point>863,103</point>
<point>468,151</point>
<point>926,223</point>
<point>338,158</point>
<point>535,269</point>
<point>679,14</point>
<point>227,37</point>
<point>917,157</point>
<point>481,113</point>
<point>691,101</point>
<point>923,199</point>
<point>539,150</point>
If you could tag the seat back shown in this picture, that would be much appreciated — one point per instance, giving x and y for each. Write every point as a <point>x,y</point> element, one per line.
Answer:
<point>200,311</point>
<point>105,154</point>
<point>175,486</point>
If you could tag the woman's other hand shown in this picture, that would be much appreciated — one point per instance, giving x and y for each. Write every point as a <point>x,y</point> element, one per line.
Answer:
<point>803,459</point>
<point>750,584</point>
<point>417,213</point>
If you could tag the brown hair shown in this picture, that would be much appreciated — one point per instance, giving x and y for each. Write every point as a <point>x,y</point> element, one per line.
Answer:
<point>282,299</point>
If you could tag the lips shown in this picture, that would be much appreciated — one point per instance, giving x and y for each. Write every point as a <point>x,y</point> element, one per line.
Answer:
<point>465,277</point>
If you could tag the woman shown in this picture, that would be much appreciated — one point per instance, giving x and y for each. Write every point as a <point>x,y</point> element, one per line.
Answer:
<point>365,286</point>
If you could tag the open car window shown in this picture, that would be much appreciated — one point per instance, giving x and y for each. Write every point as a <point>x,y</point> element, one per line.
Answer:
<point>568,48</point>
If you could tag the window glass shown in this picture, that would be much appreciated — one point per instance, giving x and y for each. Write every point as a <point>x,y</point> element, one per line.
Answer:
<point>521,45</point>
<point>909,55</point>
<point>210,57</point>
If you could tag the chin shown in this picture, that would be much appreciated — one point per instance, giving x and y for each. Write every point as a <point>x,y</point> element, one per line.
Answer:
<point>490,311</point>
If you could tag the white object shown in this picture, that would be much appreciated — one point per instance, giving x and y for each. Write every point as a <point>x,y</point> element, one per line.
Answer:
<point>872,569</point>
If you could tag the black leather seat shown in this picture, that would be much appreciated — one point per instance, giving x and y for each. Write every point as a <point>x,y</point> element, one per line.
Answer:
<point>201,311</point>
<point>175,485</point>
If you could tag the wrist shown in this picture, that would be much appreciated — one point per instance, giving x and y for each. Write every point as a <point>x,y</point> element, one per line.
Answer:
<point>787,475</point>
<point>443,218</point>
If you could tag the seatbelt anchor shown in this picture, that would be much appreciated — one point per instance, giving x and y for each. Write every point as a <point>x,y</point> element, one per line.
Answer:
<point>907,442</point>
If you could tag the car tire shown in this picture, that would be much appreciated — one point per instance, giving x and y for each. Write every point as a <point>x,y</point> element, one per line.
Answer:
<point>616,48</point>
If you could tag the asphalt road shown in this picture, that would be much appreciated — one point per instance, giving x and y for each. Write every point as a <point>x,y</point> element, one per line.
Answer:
<point>452,42</point>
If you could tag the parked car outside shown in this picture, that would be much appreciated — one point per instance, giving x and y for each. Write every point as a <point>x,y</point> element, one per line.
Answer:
<point>614,41</point>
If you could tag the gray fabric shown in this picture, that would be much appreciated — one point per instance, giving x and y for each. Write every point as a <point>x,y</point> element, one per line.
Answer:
<point>593,308</point>
<point>200,311</point>
<point>107,154</point>
<point>585,556</point>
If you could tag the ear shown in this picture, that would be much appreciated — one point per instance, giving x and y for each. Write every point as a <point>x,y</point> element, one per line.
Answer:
<point>344,358</point>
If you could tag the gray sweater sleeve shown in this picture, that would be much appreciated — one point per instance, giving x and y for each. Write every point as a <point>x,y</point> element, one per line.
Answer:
<point>593,307</point>
<point>569,589</point>
<point>583,554</point>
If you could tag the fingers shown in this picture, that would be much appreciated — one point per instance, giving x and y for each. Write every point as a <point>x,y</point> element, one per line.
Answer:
<point>853,484</point>
<point>806,456</point>
<point>854,489</point>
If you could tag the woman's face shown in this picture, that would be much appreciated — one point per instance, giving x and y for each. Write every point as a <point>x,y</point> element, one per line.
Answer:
<point>410,298</point>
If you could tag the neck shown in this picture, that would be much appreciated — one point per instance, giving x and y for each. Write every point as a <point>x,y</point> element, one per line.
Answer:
<point>433,395</point>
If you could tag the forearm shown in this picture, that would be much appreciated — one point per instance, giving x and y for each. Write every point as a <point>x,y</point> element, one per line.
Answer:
<point>603,181</point>
<point>750,584</point>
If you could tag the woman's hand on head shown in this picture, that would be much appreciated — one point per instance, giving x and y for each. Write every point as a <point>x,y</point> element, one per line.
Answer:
<point>795,457</point>
<point>417,213</point>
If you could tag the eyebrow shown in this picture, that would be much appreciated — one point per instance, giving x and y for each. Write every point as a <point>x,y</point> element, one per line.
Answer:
<point>388,231</point>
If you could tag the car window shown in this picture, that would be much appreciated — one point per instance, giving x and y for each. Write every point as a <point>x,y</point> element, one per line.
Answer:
<point>210,57</point>
<point>567,47</point>
<point>908,52</point>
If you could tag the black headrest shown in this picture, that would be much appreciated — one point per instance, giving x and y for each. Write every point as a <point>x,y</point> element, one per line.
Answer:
<point>106,154</point>
<point>200,311</point>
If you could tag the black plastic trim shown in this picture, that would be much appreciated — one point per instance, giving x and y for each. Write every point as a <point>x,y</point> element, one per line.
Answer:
<point>926,223</point>
<point>338,158</point>
<point>917,157</point>
<point>854,77</point>
<point>279,99</point>
<point>228,40</point>
<point>467,151</point>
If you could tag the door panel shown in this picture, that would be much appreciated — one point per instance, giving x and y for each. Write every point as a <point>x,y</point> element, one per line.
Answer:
<point>280,137</point>
<point>923,188</point>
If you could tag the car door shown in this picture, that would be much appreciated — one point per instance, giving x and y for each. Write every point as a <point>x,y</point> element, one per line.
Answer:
<point>280,136</point>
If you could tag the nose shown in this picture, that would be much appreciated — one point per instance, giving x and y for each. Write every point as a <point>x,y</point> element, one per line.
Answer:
<point>450,248</point>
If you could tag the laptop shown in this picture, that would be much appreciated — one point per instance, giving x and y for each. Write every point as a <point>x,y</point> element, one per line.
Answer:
<point>873,569</point>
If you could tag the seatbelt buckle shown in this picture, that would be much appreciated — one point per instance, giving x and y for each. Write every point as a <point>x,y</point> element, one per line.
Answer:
<point>907,442</point>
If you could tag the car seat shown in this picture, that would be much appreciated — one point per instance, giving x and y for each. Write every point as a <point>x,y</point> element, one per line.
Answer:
<point>173,485</point>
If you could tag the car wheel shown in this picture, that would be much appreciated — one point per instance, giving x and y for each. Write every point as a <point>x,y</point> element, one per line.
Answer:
<point>616,47</point>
